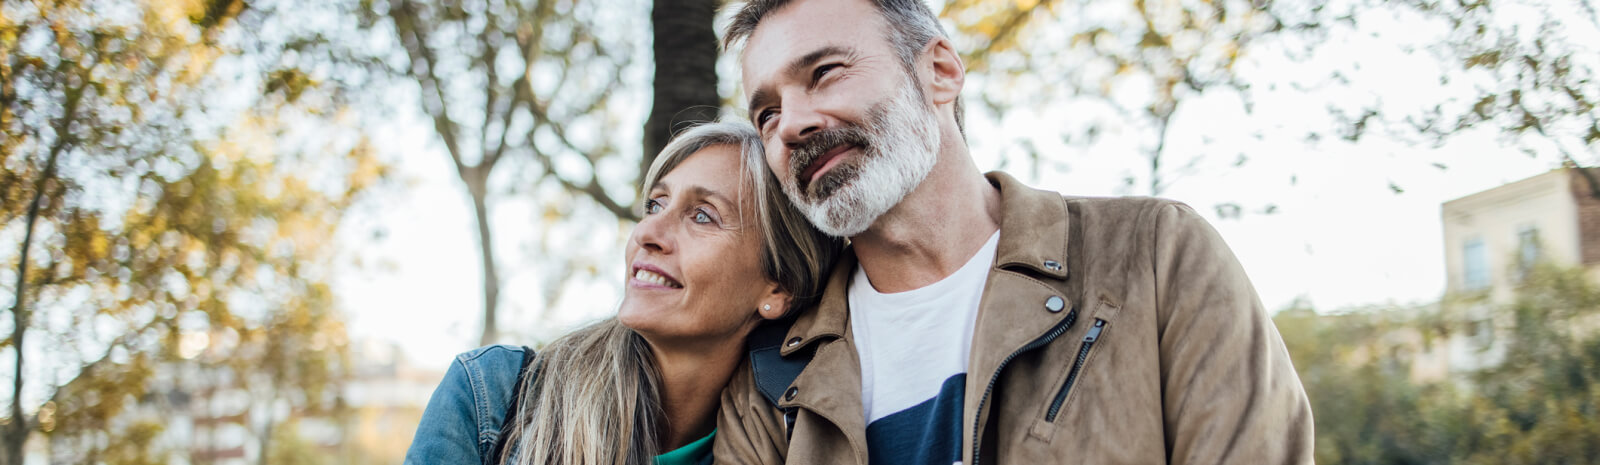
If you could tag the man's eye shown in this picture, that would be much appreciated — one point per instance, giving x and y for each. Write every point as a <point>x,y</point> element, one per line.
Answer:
<point>823,70</point>
<point>766,115</point>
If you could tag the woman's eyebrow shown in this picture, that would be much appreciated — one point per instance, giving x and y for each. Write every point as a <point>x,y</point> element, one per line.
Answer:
<point>708,193</point>
<point>694,191</point>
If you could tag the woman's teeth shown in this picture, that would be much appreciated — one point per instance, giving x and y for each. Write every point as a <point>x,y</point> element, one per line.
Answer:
<point>653,278</point>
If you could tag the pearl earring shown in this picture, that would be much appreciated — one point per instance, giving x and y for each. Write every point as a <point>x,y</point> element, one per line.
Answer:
<point>766,307</point>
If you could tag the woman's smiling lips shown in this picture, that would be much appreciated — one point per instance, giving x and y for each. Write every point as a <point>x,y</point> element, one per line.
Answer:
<point>650,277</point>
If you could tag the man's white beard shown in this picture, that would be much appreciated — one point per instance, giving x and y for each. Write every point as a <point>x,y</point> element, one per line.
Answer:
<point>903,146</point>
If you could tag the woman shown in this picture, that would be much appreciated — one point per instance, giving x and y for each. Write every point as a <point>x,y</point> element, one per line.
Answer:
<point>719,250</point>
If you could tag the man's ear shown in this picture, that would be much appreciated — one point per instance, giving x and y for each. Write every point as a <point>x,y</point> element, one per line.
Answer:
<point>774,304</point>
<point>946,74</point>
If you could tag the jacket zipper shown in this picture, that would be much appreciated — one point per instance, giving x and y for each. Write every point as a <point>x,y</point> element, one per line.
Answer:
<point>1077,365</point>
<point>977,441</point>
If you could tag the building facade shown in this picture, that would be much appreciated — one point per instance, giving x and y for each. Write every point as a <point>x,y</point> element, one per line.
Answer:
<point>1492,239</point>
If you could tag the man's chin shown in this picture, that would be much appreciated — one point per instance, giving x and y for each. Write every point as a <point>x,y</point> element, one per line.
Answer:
<point>829,184</point>
<point>841,214</point>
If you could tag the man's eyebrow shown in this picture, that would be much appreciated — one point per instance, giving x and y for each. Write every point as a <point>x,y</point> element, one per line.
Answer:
<point>800,64</point>
<point>757,99</point>
<point>762,95</point>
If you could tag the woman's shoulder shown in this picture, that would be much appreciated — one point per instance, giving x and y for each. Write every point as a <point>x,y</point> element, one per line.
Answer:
<point>463,419</point>
<point>494,355</point>
<point>489,373</point>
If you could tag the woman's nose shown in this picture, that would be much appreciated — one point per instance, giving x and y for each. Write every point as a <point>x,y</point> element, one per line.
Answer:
<point>653,233</point>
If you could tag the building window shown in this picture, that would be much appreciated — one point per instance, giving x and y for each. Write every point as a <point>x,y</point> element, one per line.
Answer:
<point>1475,265</point>
<point>1527,248</point>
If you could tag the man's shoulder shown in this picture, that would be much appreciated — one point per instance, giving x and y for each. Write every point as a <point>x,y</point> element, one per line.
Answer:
<point>1091,211</point>
<point>1120,205</point>
<point>1125,214</point>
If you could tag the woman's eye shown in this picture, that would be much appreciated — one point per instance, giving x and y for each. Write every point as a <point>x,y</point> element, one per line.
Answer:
<point>652,207</point>
<point>701,217</point>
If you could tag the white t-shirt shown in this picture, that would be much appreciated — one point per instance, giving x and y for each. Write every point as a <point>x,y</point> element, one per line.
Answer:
<point>914,347</point>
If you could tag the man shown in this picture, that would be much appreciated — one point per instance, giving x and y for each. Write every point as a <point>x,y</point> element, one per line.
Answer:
<point>982,321</point>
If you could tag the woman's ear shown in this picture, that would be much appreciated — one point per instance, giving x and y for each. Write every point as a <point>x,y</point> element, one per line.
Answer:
<point>775,304</point>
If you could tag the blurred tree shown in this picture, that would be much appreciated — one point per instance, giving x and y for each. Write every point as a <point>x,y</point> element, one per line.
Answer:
<point>1539,404</point>
<point>1136,61</point>
<point>1542,401</point>
<point>151,221</point>
<point>1525,69</point>
<point>685,51</point>
<point>539,80</point>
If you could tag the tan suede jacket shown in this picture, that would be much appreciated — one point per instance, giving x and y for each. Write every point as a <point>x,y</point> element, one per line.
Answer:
<point>1112,331</point>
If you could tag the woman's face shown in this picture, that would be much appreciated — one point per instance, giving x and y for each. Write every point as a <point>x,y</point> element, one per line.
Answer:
<point>694,260</point>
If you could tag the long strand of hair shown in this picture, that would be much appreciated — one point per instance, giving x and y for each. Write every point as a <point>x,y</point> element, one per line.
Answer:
<point>592,399</point>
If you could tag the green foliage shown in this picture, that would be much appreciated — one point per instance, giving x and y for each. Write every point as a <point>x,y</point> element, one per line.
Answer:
<point>1136,60</point>
<point>1540,404</point>
<point>1533,69</point>
<point>290,447</point>
<point>156,235</point>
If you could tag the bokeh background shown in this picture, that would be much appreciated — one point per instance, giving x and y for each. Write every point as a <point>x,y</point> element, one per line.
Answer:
<point>256,231</point>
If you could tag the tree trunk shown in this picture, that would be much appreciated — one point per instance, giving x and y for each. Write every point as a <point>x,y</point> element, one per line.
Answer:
<point>686,72</point>
<point>477,181</point>
<point>16,433</point>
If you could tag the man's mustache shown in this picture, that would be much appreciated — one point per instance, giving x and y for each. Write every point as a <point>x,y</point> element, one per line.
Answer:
<point>819,144</point>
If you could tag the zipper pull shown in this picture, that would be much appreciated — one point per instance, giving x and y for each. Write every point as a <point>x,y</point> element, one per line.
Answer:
<point>1094,333</point>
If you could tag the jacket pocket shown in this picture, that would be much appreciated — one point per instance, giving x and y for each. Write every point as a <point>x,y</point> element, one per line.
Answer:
<point>1089,340</point>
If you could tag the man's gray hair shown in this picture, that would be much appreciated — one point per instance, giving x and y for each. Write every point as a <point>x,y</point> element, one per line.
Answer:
<point>911,26</point>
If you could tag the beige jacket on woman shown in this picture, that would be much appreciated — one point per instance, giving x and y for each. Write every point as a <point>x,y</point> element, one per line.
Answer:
<point>1112,331</point>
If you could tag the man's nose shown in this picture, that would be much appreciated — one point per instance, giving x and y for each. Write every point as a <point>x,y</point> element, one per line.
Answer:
<point>798,122</point>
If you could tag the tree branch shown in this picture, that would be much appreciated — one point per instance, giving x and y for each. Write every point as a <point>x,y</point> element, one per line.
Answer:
<point>19,309</point>
<point>404,14</point>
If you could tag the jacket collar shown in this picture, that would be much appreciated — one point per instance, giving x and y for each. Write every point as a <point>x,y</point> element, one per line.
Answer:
<point>1033,235</point>
<point>832,315</point>
<point>1033,227</point>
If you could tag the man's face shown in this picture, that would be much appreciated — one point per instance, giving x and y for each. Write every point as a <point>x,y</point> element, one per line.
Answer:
<point>848,131</point>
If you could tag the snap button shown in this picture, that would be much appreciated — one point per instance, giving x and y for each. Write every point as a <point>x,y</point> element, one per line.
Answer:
<point>790,394</point>
<point>1054,304</point>
<point>794,342</point>
<point>1052,265</point>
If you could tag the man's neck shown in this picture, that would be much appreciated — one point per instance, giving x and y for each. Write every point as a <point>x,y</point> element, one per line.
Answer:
<point>691,386</point>
<point>933,231</point>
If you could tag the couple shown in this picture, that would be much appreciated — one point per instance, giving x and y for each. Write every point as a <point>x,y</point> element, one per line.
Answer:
<point>971,319</point>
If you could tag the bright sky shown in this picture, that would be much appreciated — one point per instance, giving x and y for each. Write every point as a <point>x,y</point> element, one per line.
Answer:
<point>1340,238</point>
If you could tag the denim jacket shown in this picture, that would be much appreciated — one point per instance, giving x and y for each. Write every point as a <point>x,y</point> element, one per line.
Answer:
<point>463,419</point>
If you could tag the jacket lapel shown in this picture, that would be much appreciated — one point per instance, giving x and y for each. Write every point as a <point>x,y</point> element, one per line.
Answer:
<point>830,386</point>
<point>1023,298</point>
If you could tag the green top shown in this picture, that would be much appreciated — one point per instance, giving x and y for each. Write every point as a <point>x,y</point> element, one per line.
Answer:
<point>688,454</point>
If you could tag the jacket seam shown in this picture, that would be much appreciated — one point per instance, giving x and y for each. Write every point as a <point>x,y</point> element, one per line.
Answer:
<point>1151,220</point>
<point>1066,236</point>
<point>478,386</point>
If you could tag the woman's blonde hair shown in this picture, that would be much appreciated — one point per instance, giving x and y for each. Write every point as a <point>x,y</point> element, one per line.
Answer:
<point>592,396</point>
